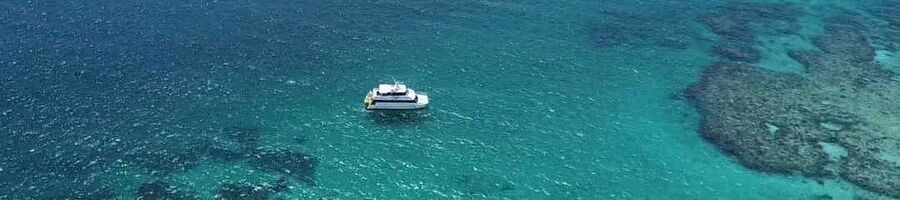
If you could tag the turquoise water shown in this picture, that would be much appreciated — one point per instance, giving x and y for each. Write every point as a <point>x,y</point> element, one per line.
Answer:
<point>526,102</point>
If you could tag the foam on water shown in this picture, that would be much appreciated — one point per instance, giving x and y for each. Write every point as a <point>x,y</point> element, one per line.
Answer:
<point>888,59</point>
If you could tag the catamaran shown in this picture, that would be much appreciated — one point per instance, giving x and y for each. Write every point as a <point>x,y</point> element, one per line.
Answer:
<point>395,97</point>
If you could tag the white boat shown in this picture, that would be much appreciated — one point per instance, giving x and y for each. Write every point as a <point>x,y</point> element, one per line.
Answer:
<point>395,97</point>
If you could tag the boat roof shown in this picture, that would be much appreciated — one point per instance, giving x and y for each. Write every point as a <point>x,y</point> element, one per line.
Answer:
<point>391,88</point>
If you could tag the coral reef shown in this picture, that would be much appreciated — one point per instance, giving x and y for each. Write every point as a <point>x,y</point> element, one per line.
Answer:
<point>778,123</point>
<point>733,24</point>
<point>729,114</point>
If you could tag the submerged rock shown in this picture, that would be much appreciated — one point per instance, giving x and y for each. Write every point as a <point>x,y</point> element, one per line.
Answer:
<point>855,127</point>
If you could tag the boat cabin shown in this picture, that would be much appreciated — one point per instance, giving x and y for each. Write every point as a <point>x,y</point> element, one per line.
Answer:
<point>391,89</point>
<point>394,93</point>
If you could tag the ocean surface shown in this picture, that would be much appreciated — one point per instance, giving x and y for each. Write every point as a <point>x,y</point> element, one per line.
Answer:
<point>262,99</point>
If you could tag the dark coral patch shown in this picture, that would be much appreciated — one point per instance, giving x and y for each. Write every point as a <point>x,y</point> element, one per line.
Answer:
<point>234,191</point>
<point>246,136</point>
<point>102,193</point>
<point>481,185</point>
<point>734,25</point>
<point>294,164</point>
<point>734,21</point>
<point>729,26</point>
<point>790,123</point>
<point>159,191</point>
<point>662,28</point>
<point>241,192</point>
<point>621,31</point>
<point>280,185</point>
<point>223,149</point>
<point>844,36</point>
<point>873,174</point>
<point>823,197</point>
<point>234,143</point>
<point>888,12</point>
<point>737,51</point>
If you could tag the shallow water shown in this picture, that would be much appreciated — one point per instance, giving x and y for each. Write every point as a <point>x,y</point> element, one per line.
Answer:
<point>530,100</point>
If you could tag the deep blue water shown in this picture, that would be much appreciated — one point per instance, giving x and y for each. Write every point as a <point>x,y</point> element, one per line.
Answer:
<point>175,99</point>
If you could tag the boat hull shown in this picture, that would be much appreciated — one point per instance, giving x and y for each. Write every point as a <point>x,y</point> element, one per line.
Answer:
<point>421,102</point>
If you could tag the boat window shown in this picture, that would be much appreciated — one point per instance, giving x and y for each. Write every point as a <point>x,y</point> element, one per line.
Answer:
<point>391,93</point>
